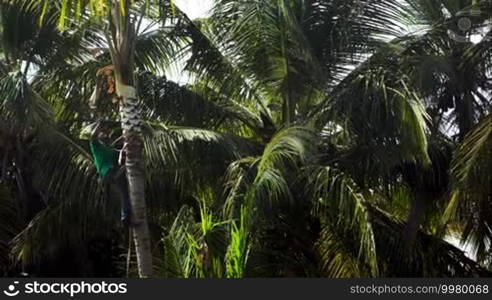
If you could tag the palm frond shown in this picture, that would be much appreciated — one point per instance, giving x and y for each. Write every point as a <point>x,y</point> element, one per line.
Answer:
<point>335,198</point>
<point>336,261</point>
<point>22,105</point>
<point>471,203</point>
<point>428,257</point>
<point>9,226</point>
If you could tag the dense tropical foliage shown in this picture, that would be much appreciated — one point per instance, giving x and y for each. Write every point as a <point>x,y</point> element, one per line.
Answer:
<point>328,138</point>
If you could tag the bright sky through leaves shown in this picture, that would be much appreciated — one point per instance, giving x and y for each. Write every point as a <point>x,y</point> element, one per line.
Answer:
<point>195,8</point>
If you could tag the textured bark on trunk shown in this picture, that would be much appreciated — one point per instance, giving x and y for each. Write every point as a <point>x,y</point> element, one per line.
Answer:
<point>122,45</point>
<point>131,125</point>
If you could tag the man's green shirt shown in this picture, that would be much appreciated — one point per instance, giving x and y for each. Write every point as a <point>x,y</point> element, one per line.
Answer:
<point>105,158</point>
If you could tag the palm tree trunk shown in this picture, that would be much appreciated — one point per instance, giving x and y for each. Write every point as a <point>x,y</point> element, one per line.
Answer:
<point>122,44</point>
<point>131,125</point>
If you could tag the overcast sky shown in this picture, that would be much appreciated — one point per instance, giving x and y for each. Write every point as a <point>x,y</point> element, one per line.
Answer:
<point>195,8</point>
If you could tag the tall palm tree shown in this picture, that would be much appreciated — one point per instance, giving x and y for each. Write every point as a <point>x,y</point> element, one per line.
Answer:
<point>121,42</point>
<point>122,47</point>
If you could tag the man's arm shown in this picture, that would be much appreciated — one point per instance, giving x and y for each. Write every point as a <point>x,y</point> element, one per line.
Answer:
<point>121,158</point>
<point>95,131</point>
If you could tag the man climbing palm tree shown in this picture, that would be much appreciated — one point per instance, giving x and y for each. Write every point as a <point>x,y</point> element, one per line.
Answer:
<point>109,163</point>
